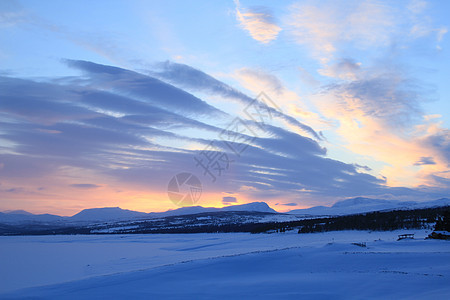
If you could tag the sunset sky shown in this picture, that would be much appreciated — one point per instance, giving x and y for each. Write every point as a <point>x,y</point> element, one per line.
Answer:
<point>103,102</point>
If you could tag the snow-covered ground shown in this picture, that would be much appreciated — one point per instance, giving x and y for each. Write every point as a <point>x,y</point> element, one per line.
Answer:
<point>221,266</point>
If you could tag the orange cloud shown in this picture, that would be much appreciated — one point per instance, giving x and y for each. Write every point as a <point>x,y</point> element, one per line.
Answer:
<point>259,23</point>
<point>400,150</point>
<point>288,100</point>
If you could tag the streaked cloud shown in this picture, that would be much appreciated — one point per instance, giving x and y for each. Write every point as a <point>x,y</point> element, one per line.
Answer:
<point>145,87</point>
<point>256,80</point>
<point>228,200</point>
<point>425,160</point>
<point>287,204</point>
<point>188,77</point>
<point>85,185</point>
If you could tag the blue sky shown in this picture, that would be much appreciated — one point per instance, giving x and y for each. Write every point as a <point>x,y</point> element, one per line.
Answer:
<point>103,102</point>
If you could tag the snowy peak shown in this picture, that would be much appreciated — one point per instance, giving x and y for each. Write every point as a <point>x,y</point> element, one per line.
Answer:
<point>362,205</point>
<point>439,202</point>
<point>360,201</point>
<point>21,216</point>
<point>106,214</point>
<point>254,206</point>
<point>191,210</point>
<point>188,210</point>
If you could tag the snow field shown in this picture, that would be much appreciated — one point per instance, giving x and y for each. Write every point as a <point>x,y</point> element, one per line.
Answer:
<point>202,266</point>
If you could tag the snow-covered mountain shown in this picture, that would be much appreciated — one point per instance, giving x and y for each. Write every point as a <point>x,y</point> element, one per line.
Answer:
<point>116,213</point>
<point>345,207</point>
<point>107,214</point>
<point>250,207</point>
<point>362,205</point>
<point>21,216</point>
<point>254,206</point>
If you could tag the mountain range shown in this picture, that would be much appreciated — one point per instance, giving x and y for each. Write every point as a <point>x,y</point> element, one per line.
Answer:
<point>344,207</point>
<point>116,213</point>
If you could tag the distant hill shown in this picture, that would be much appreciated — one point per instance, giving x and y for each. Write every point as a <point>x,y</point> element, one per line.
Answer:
<point>107,214</point>
<point>250,207</point>
<point>22,216</point>
<point>254,206</point>
<point>362,205</point>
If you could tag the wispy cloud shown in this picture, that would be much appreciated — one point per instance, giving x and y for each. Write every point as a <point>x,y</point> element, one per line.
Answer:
<point>324,25</point>
<point>259,22</point>
<point>328,28</point>
<point>287,204</point>
<point>422,25</point>
<point>346,69</point>
<point>85,186</point>
<point>425,160</point>
<point>228,200</point>
<point>11,13</point>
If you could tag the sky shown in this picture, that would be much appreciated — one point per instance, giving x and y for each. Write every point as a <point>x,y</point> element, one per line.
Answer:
<point>294,103</point>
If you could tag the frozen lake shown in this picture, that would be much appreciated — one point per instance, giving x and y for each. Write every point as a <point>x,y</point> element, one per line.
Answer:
<point>260,266</point>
